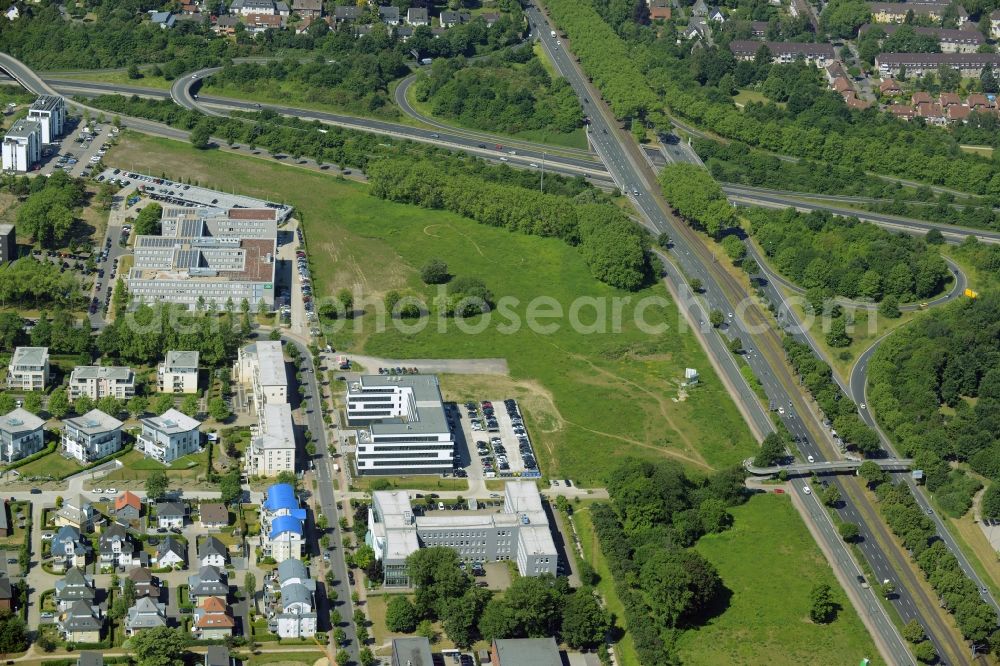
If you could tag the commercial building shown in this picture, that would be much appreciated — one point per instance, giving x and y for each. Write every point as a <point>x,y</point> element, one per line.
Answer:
<point>412,651</point>
<point>520,533</point>
<point>22,145</point>
<point>97,381</point>
<point>49,111</point>
<point>260,366</point>
<point>402,427</point>
<point>966,40</point>
<point>28,369</point>
<point>272,444</point>
<point>290,598</point>
<point>21,435</point>
<point>917,64</point>
<point>8,243</point>
<point>818,54</point>
<point>525,652</point>
<point>281,523</point>
<point>93,436</point>
<point>178,373</point>
<point>207,255</point>
<point>168,437</point>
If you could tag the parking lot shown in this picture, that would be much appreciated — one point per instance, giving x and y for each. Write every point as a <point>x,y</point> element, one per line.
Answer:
<point>496,439</point>
<point>79,149</point>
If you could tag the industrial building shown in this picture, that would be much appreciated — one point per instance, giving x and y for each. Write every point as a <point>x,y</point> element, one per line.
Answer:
<point>207,255</point>
<point>50,112</point>
<point>520,532</point>
<point>402,427</point>
<point>22,145</point>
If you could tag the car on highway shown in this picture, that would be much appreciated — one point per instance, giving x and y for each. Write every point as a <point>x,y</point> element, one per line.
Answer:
<point>807,490</point>
<point>811,459</point>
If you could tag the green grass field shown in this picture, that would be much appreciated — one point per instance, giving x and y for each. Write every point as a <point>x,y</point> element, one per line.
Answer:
<point>119,77</point>
<point>293,93</point>
<point>767,621</point>
<point>53,464</point>
<point>588,396</point>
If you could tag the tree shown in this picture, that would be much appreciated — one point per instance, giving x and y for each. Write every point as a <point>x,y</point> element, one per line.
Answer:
<point>435,271</point>
<point>849,532</point>
<point>772,450</point>
<point>716,318</point>
<point>461,615</point>
<point>343,657</point>
<point>218,409</point>
<point>585,623</point>
<point>842,18</point>
<point>831,495</point>
<point>189,405</point>
<point>838,337</point>
<point>133,72</point>
<point>823,608</point>
<point>137,405</point>
<point>736,345</point>
<point>366,657</point>
<point>436,575</point>
<point>346,299</point>
<point>364,557</point>
<point>6,403</point>
<point>13,635</point>
<point>128,593</point>
<point>924,652</point>
<point>401,616</point>
<point>663,240</point>
<point>163,402</point>
<point>58,403</point>
<point>886,588</point>
<point>913,631</point>
<point>990,506</point>
<point>872,473</point>
<point>201,135</point>
<point>230,486</point>
<point>696,285</point>
<point>713,516</point>
<point>934,237</point>
<point>160,646</point>
<point>249,586</point>
<point>33,402</point>
<point>157,484</point>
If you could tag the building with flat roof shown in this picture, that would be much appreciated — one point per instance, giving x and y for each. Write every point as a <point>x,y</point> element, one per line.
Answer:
<point>50,112</point>
<point>169,436</point>
<point>21,435</point>
<point>272,444</point>
<point>8,242</point>
<point>28,369</point>
<point>97,381</point>
<point>261,367</point>
<point>178,373</point>
<point>93,436</point>
<point>22,145</point>
<point>411,651</point>
<point>525,652</point>
<point>520,532</point>
<point>402,427</point>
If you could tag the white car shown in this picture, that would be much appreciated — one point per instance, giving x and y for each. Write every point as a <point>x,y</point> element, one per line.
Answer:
<point>48,536</point>
<point>111,491</point>
<point>807,490</point>
<point>97,491</point>
<point>811,459</point>
<point>863,406</point>
<point>781,410</point>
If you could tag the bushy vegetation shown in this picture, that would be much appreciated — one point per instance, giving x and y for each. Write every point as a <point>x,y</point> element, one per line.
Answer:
<point>696,197</point>
<point>509,92</point>
<point>30,283</point>
<point>846,257</point>
<point>614,247</point>
<point>48,214</point>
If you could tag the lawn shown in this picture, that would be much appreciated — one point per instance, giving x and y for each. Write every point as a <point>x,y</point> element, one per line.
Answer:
<point>115,76</point>
<point>744,97</point>
<point>53,464</point>
<point>286,658</point>
<point>136,467</point>
<point>16,536</point>
<point>364,484</point>
<point>767,620</point>
<point>608,393</point>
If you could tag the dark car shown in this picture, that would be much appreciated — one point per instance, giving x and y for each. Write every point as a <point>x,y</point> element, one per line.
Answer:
<point>36,491</point>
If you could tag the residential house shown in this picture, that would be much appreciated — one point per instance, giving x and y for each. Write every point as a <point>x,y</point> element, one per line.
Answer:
<point>715,14</point>
<point>213,619</point>
<point>213,515</point>
<point>261,365</point>
<point>217,655</point>
<point>490,18</point>
<point>12,13</point>
<point>213,553</point>
<point>700,8</point>
<point>308,8</point>
<point>257,24</point>
<point>265,7</point>
<point>525,652</point>
<point>93,436</point>
<point>81,623</point>
<point>28,369</point>
<point>995,24</point>
<point>902,111</point>
<point>169,436</point>
<point>758,29</point>
<point>958,113</point>
<point>115,547</point>
<point>208,582</point>
<point>127,507</point>
<point>6,594</point>
<point>660,10</point>
<point>74,586</point>
<point>76,512</point>
<point>820,55</point>
<point>918,64</point>
<point>291,601</point>
<point>345,14</point>
<point>852,101</point>
<point>69,548</point>
<point>417,16</point>
<point>697,28</point>
<point>170,553</point>
<point>225,25</point>
<point>170,514</point>
<point>932,113</point>
<point>842,85</point>
<point>178,373</point>
<point>97,381</point>
<point>146,584</point>
<point>21,435</point>
<point>272,449</point>
<point>163,19</point>
<point>450,19</point>
<point>90,659</point>
<point>145,614</point>
<point>281,523</point>
<point>978,102</point>
<point>4,518</point>
<point>889,88</point>
<point>949,99</point>
<point>896,12</point>
<point>921,97</point>
<point>389,15</point>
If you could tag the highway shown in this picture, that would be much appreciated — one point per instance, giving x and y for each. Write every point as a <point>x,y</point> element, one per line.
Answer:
<point>827,467</point>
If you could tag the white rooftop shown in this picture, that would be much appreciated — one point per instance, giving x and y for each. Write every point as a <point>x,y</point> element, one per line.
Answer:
<point>277,423</point>
<point>117,372</point>
<point>172,421</point>
<point>93,422</point>
<point>271,361</point>
<point>181,360</point>
<point>20,420</point>
<point>35,356</point>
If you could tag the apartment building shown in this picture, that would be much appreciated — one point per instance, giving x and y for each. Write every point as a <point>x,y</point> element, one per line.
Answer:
<point>402,427</point>
<point>290,599</point>
<point>93,436</point>
<point>22,145</point>
<point>260,366</point>
<point>97,381</point>
<point>272,444</point>
<point>50,112</point>
<point>519,533</point>
<point>281,523</point>
<point>917,64</point>
<point>21,435</point>
<point>178,373</point>
<point>966,40</point>
<point>28,369</point>
<point>820,55</point>
<point>168,437</point>
<point>896,12</point>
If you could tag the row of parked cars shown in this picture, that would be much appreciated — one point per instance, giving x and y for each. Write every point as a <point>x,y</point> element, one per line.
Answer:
<point>302,264</point>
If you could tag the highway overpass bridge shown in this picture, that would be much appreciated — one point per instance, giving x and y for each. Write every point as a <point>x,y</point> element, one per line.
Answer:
<point>827,467</point>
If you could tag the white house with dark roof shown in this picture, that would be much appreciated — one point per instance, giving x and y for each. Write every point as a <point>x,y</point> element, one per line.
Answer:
<point>212,553</point>
<point>169,436</point>
<point>417,16</point>
<point>115,547</point>
<point>21,435</point>
<point>81,623</point>
<point>69,548</point>
<point>74,586</point>
<point>170,514</point>
<point>93,436</point>
<point>210,581</point>
<point>28,369</point>
<point>170,553</point>
<point>145,614</point>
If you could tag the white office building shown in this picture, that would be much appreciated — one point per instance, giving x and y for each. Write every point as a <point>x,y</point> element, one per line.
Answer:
<point>22,145</point>
<point>272,444</point>
<point>97,381</point>
<point>93,436</point>
<point>29,369</point>
<point>21,435</point>
<point>168,437</point>
<point>402,427</point>
<point>178,373</point>
<point>50,112</point>
<point>260,366</point>
<point>519,533</point>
